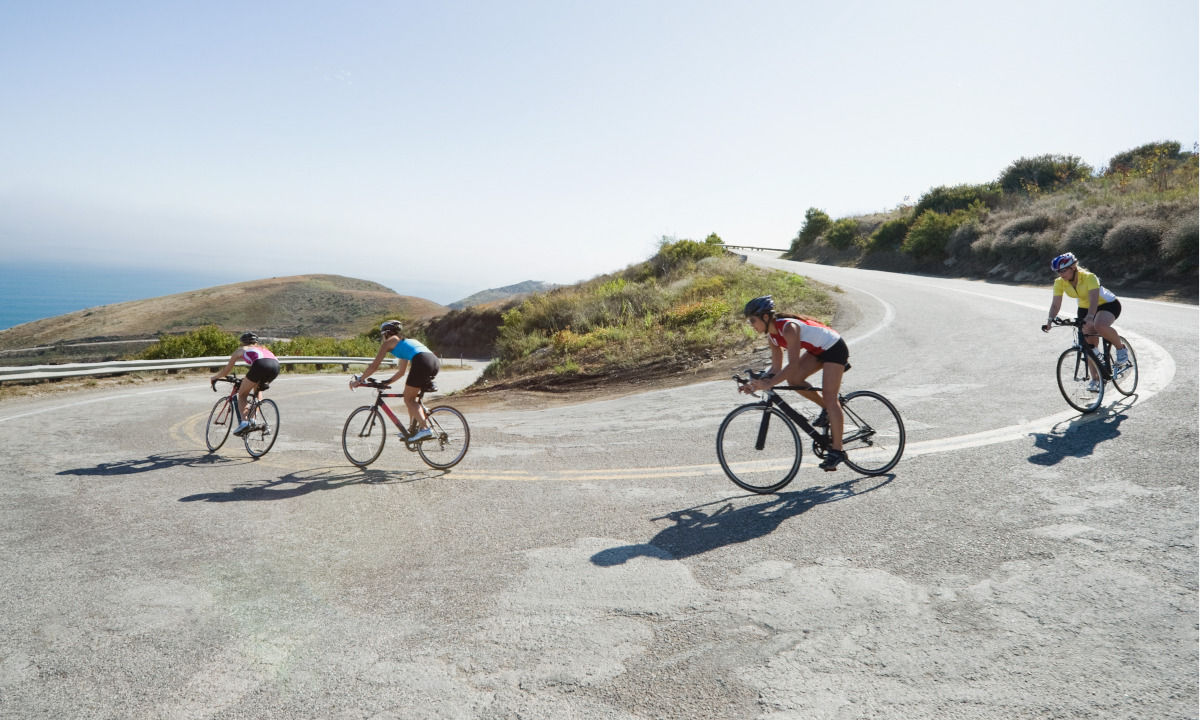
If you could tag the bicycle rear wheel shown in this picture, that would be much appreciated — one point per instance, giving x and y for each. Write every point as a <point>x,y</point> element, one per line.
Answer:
<point>451,438</point>
<point>265,416</point>
<point>872,432</point>
<point>1125,379</point>
<point>759,448</point>
<point>1073,379</point>
<point>220,420</point>
<point>363,435</point>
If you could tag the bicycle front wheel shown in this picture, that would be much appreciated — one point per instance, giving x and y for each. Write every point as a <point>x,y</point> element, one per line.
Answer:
<point>1125,379</point>
<point>363,435</point>
<point>451,438</point>
<point>1074,379</point>
<point>265,416</point>
<point>759,448</point>
<point>872,432</point>
<point>220,420</point>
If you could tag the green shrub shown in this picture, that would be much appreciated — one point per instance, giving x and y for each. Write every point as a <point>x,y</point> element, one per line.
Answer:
<point>1043,173</point>
<point>1030,224</point>
<point>962,240</point>
<point>1086,235</point>
<point>1133,239</point>
<point>889,235</point>
<point>959,197</point>
<point>842,234</point>
<point>1182,242</point>
<point>816,222</point>
<point>697,313</point>
<point>673,255</point>
<point>1143,158</point>
<point>930,233</point>
<point>206,341</point>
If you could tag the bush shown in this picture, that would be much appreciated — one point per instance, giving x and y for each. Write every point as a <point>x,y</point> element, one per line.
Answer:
<point>816,222</point>
<point>1133,239</point>
<point>842,234</point>
<point>206,341</point>
<point>1043,173</point>
<point>1030,224</point>
<point>930,233</point>
<point>1182,242</point>
<point>697,313</point>
<point>1086,235</point>
<point>1143,158</point>
<point>889,236</point>
<point>676,254</point>
<point>959,197</point>
<point>962,240</point>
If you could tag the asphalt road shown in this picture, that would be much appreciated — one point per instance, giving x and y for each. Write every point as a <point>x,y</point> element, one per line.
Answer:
<point>591,560</point>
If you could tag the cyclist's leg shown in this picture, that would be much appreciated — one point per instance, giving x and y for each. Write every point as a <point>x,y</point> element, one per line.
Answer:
<point>831,385</point>
<point>415,413</point>
<point>1105,318</point>
<point>798,374</point>
<point>244,393</point>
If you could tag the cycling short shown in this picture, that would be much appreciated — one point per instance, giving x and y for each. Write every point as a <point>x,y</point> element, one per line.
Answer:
<point>1112,306</point>
<point>423,368</point>
<point>836,353</point>
<point>264,370</point>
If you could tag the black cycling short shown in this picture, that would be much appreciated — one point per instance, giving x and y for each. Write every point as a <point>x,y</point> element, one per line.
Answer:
<point>1112,306</point>
<point>264,370</point>
<point>423,368</point>
<point>836,353</point>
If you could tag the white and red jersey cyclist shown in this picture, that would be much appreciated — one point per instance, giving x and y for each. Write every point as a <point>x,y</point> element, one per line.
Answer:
<point>815,337</point>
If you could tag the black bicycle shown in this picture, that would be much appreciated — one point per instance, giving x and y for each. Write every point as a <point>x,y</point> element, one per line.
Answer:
<point>366,430</point>
<point>1084,369</point>
<point>759,444</point>
<point>263,415</point>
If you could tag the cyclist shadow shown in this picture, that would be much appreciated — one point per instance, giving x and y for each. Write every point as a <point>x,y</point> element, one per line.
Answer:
<point>696,531</point>
<point>1079,436</point>
<point>303,482</point>
<point>150,463</point>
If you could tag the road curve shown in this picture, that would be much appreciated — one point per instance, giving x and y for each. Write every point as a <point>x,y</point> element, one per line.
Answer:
<point>591,561</point>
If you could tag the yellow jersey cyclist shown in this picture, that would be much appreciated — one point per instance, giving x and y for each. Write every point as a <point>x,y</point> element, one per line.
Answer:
<point>425,366</point>
<point>1099,308</point>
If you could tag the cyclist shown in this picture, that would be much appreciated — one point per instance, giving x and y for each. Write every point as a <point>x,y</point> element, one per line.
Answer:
<point>1099,308</point>
<point>263,369</point>
<point>425,366</point>
<point>823,349</point>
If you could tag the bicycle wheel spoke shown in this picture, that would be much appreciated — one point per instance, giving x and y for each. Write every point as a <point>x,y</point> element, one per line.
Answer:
<point>1074,381</point>
<point>872,432</point>
<point>1125,378</point>
<point>451,438</point>
<point>759,448</point>
<point>265,416</point>
<point>363,436</point>
<point>220,420</point>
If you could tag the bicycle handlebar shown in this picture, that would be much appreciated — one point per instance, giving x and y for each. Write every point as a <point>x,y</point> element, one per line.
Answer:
<point>1065,322</point>
<point>228,378</point>
<point>371,383</point>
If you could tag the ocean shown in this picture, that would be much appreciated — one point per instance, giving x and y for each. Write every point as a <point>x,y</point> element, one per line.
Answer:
<point>32,291</point>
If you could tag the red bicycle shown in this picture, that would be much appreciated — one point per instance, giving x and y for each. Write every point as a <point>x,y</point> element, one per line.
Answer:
<point>262,414</point>
<point>365,432</point>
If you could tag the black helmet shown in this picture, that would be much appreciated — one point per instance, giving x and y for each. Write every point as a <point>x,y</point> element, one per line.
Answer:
<point>391,327</point>
<point>248,338</point>
<point>759,306</point>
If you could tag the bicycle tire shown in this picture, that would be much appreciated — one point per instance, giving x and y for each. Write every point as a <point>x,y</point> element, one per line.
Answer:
<point>1127,381</point>
<point>754,453</point>
<point>220,422</point>
<point>265,416</point>
<point>873,433</point>
<point>451,438</point>
<point>1073,378</point>
<point>363,437</point>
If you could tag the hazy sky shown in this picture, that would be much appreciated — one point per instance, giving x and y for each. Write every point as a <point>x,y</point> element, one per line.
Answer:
<point>445,147</point>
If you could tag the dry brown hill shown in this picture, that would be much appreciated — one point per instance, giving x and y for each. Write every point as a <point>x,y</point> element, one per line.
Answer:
<point>322,305</point>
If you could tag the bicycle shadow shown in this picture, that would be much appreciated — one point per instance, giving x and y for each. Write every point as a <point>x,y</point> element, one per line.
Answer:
<point>1079,436</point>
<point>151,463</point>
<point>696,531</point>
<point>302,482</point>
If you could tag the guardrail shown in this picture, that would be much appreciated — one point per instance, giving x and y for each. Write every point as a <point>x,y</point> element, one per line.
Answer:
<point>120,367</point>
<point>753,247</point>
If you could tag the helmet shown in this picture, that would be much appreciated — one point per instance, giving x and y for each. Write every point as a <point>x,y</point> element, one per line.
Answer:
<point>248,338</point>
<point>391,327</point>
<point>759,306</point>
<point>1064,261</point>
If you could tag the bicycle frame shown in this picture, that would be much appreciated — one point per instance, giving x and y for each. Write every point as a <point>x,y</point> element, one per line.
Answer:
<point>405,432</point>
<point>1099,354</point>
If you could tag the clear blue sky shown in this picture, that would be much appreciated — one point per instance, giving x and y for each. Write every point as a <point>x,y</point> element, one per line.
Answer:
<point>446,147</point>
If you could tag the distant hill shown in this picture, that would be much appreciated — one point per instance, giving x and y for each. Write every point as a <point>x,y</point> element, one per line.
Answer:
<point>503,294</point>
<point>323,305</point>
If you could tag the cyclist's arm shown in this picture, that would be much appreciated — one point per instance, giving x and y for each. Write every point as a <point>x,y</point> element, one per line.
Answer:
<point>1093,304</point>
<point>237,355</point>
<point>400,370</point>
<point>1055,304</point>
<point>384,348</point>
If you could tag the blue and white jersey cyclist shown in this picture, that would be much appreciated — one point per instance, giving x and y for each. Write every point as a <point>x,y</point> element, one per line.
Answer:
<point>810,345</point>
<point>1099,308</point>
<point>421,365</point>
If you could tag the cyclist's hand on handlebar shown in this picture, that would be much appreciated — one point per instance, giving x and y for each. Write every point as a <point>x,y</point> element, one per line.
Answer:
<point>1046,328</point>
<point>355,381</point>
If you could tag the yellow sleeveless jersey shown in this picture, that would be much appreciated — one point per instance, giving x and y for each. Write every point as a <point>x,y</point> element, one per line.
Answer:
<point>1085,282</point>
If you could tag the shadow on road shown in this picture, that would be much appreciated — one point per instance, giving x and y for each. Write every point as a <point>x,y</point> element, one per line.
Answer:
<point>696,531</point>
<point>304,482</point>
<point>151,463</point>
<point>1079,436</point>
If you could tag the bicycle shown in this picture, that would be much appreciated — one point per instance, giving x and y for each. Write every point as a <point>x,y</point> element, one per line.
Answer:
<point>365,431</point>
<point>1075,372</point>
<point>262,414</point>
<point>759,444</point>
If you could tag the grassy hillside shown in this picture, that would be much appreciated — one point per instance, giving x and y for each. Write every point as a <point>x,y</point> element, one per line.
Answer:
<point>1133,222</point>
<point>502,295</point>
<point>316,305</point>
